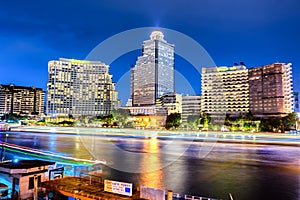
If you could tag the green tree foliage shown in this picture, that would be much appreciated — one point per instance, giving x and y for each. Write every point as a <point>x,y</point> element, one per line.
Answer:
<point>173,120</point>
<point>193,121</point>
<point>11,117</point>
<point>279,124</point>
<point>243,122</point>
<point>205,119</point>
<point>197,121</point>
<point>66,123</point>
<point>121,116</point>
<point>272,124</point>
<point>106,119</point>
<point>290,121</point>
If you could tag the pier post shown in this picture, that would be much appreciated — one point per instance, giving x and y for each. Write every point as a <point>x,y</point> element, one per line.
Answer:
<point>170,195</point>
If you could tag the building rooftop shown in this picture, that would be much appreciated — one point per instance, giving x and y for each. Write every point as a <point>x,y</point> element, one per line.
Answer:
<point>84,188</point>
<point>25,164</point>
<point>16,87</point>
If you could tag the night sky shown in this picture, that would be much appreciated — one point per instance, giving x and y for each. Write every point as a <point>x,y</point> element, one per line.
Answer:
<point>254,32</point>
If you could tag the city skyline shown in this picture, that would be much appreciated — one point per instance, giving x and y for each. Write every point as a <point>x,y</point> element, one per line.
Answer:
<point>33,35</point>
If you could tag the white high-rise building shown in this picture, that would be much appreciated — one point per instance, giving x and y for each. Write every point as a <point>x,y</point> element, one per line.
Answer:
<point>153,74</point>
<point>225,90</point>
<point>80,87</point>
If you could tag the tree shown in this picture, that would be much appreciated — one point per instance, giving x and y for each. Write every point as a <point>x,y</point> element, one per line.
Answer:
<point>281,124</point>
<point>289,121</point>
<point>121,115</point>
<point>66,123</point>
<point>205,119</point>
<point>11,118</point>
<point>106,119</point>
<point>272,124</point>
<point>173,120</point>
<point>193,121</point>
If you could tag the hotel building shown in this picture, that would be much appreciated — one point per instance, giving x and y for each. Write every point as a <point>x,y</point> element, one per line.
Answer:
<point>21,100</point>
<point>80,87</point>
<point>153,74</point>
<point>270,90</point>
<point>225,90</point>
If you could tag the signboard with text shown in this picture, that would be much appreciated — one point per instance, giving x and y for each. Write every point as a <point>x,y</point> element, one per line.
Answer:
<point>118,187</point>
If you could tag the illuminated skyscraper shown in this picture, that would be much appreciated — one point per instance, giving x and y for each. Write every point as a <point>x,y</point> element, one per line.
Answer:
<point>153,74</point>
<point>80,87</point>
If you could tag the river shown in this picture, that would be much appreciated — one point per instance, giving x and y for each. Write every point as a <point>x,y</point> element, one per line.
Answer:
<point>203,167</point>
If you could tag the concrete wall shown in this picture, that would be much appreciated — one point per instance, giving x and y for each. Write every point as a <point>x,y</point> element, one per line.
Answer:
<point>151,193</point>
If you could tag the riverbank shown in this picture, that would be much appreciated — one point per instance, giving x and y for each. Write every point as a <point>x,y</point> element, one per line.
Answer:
<point>75,130</point>
<point>226,137</point>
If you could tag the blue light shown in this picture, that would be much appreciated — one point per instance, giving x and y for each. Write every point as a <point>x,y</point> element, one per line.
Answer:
<point>16,160</point>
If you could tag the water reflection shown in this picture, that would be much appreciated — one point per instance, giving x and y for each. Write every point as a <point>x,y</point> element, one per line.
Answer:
<point>244,170</point>
<point>151,174</point>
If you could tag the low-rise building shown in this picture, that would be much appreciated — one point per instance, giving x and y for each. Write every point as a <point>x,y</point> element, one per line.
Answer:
<point>169,103</point>
<point>24,177</point>
<point>191,106</point>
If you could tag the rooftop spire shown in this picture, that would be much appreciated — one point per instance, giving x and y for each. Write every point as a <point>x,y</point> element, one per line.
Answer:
<point>157,35</point>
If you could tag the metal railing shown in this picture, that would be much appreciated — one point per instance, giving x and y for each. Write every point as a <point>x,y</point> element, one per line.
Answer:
<point>177,196</point>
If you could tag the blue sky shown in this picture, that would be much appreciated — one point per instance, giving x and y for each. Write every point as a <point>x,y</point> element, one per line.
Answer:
<point>252,31</point>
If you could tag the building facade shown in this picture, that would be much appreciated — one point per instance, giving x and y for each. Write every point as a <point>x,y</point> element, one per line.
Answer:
<point>169,103</point>
<point>153,74</point>
<point>21,100</point>
<point>24,177</point>
<point>225,90</point>
<point>191,106</point>
<point>270,90</point>
<point>80,87</point>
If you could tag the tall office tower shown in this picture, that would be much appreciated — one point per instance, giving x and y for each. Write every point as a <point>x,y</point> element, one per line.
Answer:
<point>270,90</point>
<point>21,100</point>
<point>153,74</point>
<point>225,90</point>
<point>80,87</point>
<point>191,106</point>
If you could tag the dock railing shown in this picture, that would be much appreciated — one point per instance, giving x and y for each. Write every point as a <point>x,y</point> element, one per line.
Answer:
<point>177,196</point>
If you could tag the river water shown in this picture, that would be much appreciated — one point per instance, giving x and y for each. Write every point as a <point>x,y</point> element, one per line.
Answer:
<point>201,168</point>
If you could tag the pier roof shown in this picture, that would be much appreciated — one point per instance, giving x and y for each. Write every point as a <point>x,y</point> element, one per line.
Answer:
<point>24,164</point>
